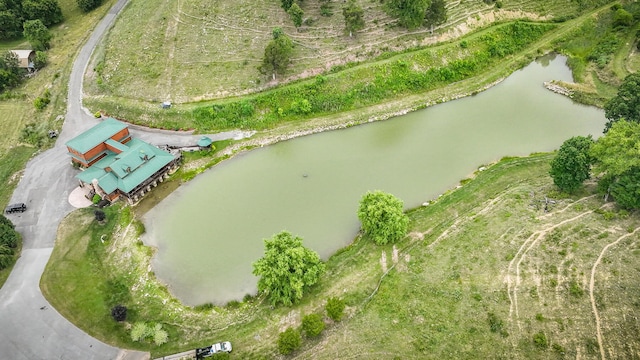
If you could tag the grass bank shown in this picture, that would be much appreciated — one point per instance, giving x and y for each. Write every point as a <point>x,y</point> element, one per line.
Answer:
<point>485,272</point>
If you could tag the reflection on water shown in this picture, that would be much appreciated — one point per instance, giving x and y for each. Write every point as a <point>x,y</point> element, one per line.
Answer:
<point>209,231</point>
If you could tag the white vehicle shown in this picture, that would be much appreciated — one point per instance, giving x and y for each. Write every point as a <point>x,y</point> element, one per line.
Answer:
<point>220,347</point>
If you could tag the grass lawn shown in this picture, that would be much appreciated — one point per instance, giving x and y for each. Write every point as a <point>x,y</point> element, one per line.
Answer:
<point>485,272</point>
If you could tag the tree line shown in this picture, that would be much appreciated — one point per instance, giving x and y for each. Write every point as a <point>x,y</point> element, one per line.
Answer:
<point>614,158</point>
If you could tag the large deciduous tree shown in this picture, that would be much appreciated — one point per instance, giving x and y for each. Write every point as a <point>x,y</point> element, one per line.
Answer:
<point>436,13</point>
<point>37,34</point>
<point>353,17</point>
<point>277,54</point>
<point>287,269</point>
<point>410,13</point>
<point>618,150</point>
<point>10,73</point>
<point>617,160</point>
<point>47,11</point>
<point>382,217</point>
<point>572,164</point>
<point>626,104</point>
<point>10,24</point>
<point>9,240</point>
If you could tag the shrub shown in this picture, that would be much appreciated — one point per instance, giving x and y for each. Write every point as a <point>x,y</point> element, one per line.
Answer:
<point>160,336</point>
<point>40,60</point>
<point>288,341</point>
<point>88,5</point>
<point>540,340</point>
<point>100,215</point>
<point>119,313</point>
<point>96,199</point>
<point>41,102</point>
<point>335,308</point>
<point>139,331</point>
<point>312,325</point>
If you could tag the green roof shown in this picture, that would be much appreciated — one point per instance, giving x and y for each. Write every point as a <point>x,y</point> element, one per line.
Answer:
<point>204,141</point>
<point>96,135</point>
<point>128,169</point>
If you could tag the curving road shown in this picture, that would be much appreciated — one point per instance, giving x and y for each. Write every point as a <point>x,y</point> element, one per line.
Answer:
<point>29,327</point>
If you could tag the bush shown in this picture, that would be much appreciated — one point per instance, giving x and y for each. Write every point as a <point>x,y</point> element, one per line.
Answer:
<point>119,313</point>
<point>100,215</point>
<point>335,308</point>
<point>288,341</point>
<point>139,331</point>
<point>96,199</point>
<point>88,5</point>
<point>312,325</point>
<point>41,102</point>
<point>540,340</point>
<point>40,60</point>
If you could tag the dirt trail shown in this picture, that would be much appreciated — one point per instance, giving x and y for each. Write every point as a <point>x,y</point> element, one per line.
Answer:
<point>592,285</point>
<point>513,270</point>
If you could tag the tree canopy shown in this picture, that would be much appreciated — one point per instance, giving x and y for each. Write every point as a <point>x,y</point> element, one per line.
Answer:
<point>10,73</point>
<point>47,11</point>
<point>296,14</point>
<point>277,54</point>
<point>382,217</point>
<point>618,150</point>
<point>287,269</point>
<point>572,164</point>
<point>436,13</point>
<point>9,240</point>
<point>13,13</point>
<point>410,13</point>
<point>37,34</point>
<point>353,17</point>
<point>88,5</point>
<point>617,159</point>
<point>626,104</point>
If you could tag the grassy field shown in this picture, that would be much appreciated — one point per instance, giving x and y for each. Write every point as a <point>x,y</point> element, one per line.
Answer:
<point>485,272</point>
<point>191,50</point>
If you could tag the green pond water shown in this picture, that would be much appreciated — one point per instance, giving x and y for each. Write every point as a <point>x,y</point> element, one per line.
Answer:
<point>209,231</point>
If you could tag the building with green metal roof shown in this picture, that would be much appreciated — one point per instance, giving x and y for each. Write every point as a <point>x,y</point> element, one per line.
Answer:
<point>127,167</point>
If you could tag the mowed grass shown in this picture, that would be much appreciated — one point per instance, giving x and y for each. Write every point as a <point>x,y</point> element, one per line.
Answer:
<point>190,50</point>
<point>484,271</point>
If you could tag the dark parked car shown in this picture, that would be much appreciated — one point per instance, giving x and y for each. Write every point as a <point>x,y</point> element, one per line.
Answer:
<point>19,207</point>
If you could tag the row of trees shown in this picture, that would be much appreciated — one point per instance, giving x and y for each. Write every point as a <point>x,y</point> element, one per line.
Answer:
<point>614,158</point>
<point>288,268</point>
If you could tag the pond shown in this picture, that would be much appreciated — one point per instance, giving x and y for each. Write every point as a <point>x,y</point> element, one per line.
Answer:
<point>209,231</point>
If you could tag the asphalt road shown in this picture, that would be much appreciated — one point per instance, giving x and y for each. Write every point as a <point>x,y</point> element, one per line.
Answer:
<point>30,328</point>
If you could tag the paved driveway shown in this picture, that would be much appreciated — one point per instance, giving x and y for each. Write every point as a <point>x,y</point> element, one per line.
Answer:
<point>29,327</point>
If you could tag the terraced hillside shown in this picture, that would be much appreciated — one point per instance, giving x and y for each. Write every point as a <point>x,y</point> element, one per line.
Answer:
<point>190,50</point>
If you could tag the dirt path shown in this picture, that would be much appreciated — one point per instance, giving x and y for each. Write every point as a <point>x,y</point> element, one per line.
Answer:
<point>592,285</point>
<point>513,270</point>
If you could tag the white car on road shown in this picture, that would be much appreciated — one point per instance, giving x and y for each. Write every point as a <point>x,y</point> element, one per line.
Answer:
<point>220,347</point>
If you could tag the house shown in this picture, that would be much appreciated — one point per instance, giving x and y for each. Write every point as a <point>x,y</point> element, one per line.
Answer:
<point>26,59</point>
<point>117,165</point>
